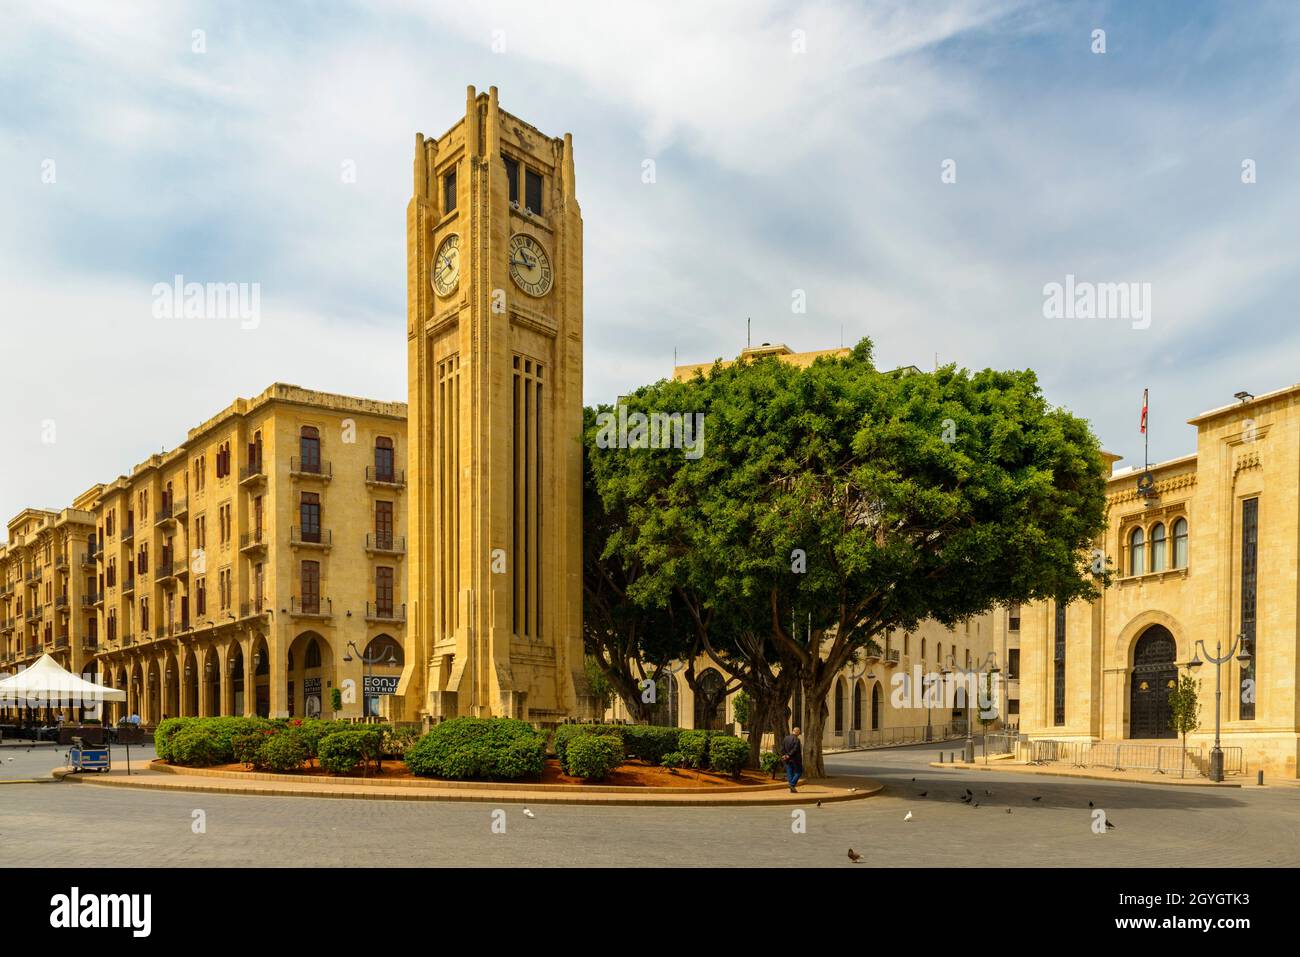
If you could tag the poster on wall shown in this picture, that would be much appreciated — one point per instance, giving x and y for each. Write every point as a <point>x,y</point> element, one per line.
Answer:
<point>311,694</point>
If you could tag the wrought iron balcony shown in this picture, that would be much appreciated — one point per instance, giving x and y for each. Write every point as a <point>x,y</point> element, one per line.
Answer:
<point>128,585</point>
<point>389,478</point>
<point>60,601</point>
<point>311,537</point>
<point>249,609</point>
<point>385,612</point>
<point>128,533</point>
<point>386,544</point>
<point>88,558</point>
<point>317,469</point>
<point>255,540</point>
<point>893,656</point>
<point>319,608</point>
<point>60,642</point>
<point>251,474</point>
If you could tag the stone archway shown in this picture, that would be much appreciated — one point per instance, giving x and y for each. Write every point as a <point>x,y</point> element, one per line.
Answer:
<point>309,676</point>
<point>1153,675</point>
<point>388,660</point>
<point>710,701</point>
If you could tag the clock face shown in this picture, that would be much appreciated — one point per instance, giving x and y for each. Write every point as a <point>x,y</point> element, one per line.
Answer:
<point>530,267</point>
<point>444,271</point>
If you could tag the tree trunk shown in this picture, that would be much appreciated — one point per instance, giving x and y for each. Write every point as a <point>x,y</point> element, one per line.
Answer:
<point>815,714</point>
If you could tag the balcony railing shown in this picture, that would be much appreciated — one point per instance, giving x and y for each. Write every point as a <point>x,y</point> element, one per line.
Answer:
<point>164,571</point>
<point>251,541</point>
<point>60,642</point>
<point>128,533</point>
<point>386,544</point>
<point>319,537</point>
<point>33,574</point>
<point>33,651</point>
<point>385,612</point>
<point>127,639</point>
<point>7,625</point>
<point>251,474</point>
<point>892,656</point>
<point>250,608</point>
<point>61,563</point>
<point>128,584</point>
<point>312,470</point>
<point>60,601</point>
<point>32,614</point>
<point>163,514</point>
<point>320,608</point>
<point>88,558</point>
<point>89,643</point>
<point>395,478</point>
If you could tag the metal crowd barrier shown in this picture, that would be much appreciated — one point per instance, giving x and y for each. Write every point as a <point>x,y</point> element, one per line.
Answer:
<point>1158,759</point>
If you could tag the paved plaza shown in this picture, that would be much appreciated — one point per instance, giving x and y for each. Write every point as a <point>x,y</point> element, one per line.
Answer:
<point>49,825</point>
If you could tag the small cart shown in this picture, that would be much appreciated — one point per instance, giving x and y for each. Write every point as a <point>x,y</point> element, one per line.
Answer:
<point>82,758</point>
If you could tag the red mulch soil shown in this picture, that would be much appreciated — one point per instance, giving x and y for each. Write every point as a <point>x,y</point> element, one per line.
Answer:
<point>631,774</point>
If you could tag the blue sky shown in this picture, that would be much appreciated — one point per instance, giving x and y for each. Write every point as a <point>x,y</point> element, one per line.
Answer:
<point>775,171</point>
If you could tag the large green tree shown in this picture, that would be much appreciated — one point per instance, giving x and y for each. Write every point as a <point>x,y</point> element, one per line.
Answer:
<point>852,501</point>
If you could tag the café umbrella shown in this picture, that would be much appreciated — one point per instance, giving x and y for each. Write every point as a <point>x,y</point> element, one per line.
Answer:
<point>48,684</point>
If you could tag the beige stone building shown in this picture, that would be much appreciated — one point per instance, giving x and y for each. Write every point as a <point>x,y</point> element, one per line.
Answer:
<point>250,570</point>
<point>494,343</point>
<point>1207,553</point>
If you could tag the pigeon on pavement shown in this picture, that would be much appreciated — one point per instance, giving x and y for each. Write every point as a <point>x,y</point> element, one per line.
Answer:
<point>854,856</point>
<point>909,816</point>
<point>528,813</point>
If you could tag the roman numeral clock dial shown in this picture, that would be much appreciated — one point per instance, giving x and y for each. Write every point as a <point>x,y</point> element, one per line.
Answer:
<point>530,266</point>
<point>444,271</point>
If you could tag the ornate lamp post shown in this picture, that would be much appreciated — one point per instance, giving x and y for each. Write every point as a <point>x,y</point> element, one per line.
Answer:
<point>366,663</point>
<point>1218,660</point>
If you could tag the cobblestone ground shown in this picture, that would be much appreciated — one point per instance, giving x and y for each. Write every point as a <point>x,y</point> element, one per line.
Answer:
<point>48,824</point>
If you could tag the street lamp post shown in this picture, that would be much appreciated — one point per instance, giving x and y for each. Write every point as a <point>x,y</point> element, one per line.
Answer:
<point>366,663</point>
<point>1218,660</point>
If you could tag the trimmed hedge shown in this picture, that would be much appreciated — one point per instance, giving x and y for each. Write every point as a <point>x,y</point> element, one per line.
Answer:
<point>649,742</point>
<point>282,751</point>
<point>694,748</point>
<point>769,761</point>
<point>195,747</point>
<point>479,749</point>
<point>594,756</point>
<point>728,755</point>
<point>246,747</point>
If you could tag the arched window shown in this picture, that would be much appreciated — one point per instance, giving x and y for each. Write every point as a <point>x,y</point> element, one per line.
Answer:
<point>1137,553</point>
<point>857,706</point>
<point>938,653</point>
<point>385,650</point>
<point>1158,548</point>
<point>907,644</point>
<point>923,649</point>
<point>313,654</point>
<point>875,707</point>
<point>1180,543</point>
<point>309,449</point>
<point>839,706</point>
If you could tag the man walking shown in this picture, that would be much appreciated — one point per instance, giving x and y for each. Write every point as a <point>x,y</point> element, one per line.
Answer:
<point>792,755</point>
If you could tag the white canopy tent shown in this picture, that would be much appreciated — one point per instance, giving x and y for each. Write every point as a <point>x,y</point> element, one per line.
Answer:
<point>47,684</point>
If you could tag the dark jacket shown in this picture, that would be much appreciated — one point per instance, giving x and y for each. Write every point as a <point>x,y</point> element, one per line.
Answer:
<point>792,750</point>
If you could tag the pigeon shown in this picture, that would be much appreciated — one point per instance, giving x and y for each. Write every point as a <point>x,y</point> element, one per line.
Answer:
<point>913,780</point>
<point>854,856</point>
<point>851,791</point>
<point>1110,825</point>
<point>988,792</point>
<point>970,793</point>
<point>924,793</point>
<point>528,813</point>
<point>819,803</point>
<point>1008,810</point>
<point>909,816</point>
<point>977,804</point>
<point>1089,804</point>
<point>1039,798</point>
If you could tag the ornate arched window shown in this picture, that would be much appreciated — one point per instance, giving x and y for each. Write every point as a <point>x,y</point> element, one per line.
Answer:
<point>1137,552</point>
<point>1158,548</point>
<point>839,706</point>
<point>857,706</point>
<point>1180,543</point>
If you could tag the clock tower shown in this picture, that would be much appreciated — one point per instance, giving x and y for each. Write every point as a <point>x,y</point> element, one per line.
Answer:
<point>494,349</point>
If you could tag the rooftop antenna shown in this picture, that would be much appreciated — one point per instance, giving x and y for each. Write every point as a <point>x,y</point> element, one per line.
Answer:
<point>747,322</point>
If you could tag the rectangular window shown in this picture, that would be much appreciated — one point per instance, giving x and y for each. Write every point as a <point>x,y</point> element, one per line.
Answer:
<point>512,176</point>
<point>1013,664</point>
<point>384,592</point>
<point>449,193</point>
<point>311,587</point>
<point>309,516</point>
<point>1059,669</point>
<point>384,525</point>
<point>533,191</point>
<point>1248,689</point>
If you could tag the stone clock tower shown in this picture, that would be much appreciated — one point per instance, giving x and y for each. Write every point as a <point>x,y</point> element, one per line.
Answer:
<point>494,347</point>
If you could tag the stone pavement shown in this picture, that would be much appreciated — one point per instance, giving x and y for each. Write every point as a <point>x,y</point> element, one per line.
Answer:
<point>1064,770</point>
<point>43,825</point>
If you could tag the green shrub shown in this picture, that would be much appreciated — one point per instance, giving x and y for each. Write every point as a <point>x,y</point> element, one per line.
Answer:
<point>282,751</point>
<point>221,733</point>
<point>395,741</point>
<point>196,747</point>
<point>246,747</point>
<point>673,759</point>
<point>162,735</point>
<point>594,756</point>
<point>694,748</point>
<point>649,743</point>
<point>728,755</point>
<point>341,752</point>
<point>483,749</point>
<point>769,761</point>
<point>567,732</point>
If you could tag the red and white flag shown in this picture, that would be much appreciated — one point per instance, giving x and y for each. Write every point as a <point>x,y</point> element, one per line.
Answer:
<point>1143,425</point>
